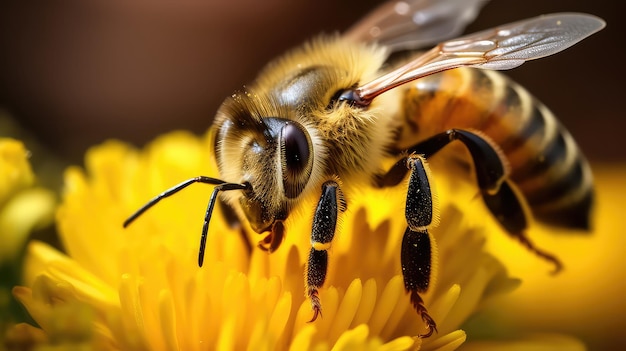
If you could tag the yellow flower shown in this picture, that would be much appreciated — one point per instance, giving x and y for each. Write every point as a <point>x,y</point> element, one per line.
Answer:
<point>140,288</point>
<point>23,208</point>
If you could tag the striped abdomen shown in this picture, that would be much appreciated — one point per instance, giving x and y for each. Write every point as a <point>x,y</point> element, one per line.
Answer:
<point>546,164</point>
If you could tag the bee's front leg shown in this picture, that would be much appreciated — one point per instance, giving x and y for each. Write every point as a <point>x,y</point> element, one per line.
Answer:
<point>273,240</point>
<point>323,230</point>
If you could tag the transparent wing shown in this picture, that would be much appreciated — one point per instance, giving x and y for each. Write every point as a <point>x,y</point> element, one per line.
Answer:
<point>500,48</point>
<point>415,24</point>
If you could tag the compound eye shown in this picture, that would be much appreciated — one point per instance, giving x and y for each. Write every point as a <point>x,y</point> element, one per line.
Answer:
<point>296,158</point>
<point>296,148</point>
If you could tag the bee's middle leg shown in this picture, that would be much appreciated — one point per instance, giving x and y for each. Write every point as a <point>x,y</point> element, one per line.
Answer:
<point>324,223</point>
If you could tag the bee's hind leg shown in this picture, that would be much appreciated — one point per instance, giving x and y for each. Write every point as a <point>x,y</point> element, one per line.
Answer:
<point>507,206</point>
<point>498,193</point>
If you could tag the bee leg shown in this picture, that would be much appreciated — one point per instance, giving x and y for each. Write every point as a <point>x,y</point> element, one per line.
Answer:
<point>488,159</point>
<point>416,253</point>
<point>499,196</point>
<point>508,209</point>
<point>416,263</point>
<point>490,170</point>
<point>273,240</point>
<point>323,231</point>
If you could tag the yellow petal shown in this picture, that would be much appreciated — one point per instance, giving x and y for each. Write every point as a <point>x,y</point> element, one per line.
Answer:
<point>347,309</point>
<point>168,321</point>
<point>352,339</point>
<point>26,211</point>
<point>447,342</point>
<point>402,343</point>
<point>303,339</point>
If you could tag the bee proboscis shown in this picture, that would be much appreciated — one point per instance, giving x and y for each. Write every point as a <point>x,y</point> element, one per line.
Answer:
<point>320,120</point>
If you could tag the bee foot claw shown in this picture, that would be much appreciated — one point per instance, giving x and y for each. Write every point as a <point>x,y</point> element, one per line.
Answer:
<point>430,324</point>
<point>316,305</point>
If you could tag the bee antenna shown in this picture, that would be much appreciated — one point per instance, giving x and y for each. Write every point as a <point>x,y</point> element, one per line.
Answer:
<point>354,98</point>
<point>209,212</point>
<point>221,186</point>
<point>169,192</point>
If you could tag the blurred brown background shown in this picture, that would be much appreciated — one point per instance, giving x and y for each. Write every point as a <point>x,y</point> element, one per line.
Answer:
<point>77,72</point>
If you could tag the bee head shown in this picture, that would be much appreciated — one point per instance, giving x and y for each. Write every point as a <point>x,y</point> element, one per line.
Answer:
<point>274,155</point>
<point>274,135</point>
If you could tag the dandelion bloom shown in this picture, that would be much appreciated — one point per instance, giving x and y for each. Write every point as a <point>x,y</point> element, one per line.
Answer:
<point>141,288</point>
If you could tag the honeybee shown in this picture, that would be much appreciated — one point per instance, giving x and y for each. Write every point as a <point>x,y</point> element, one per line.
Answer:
<point>320,120</point>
